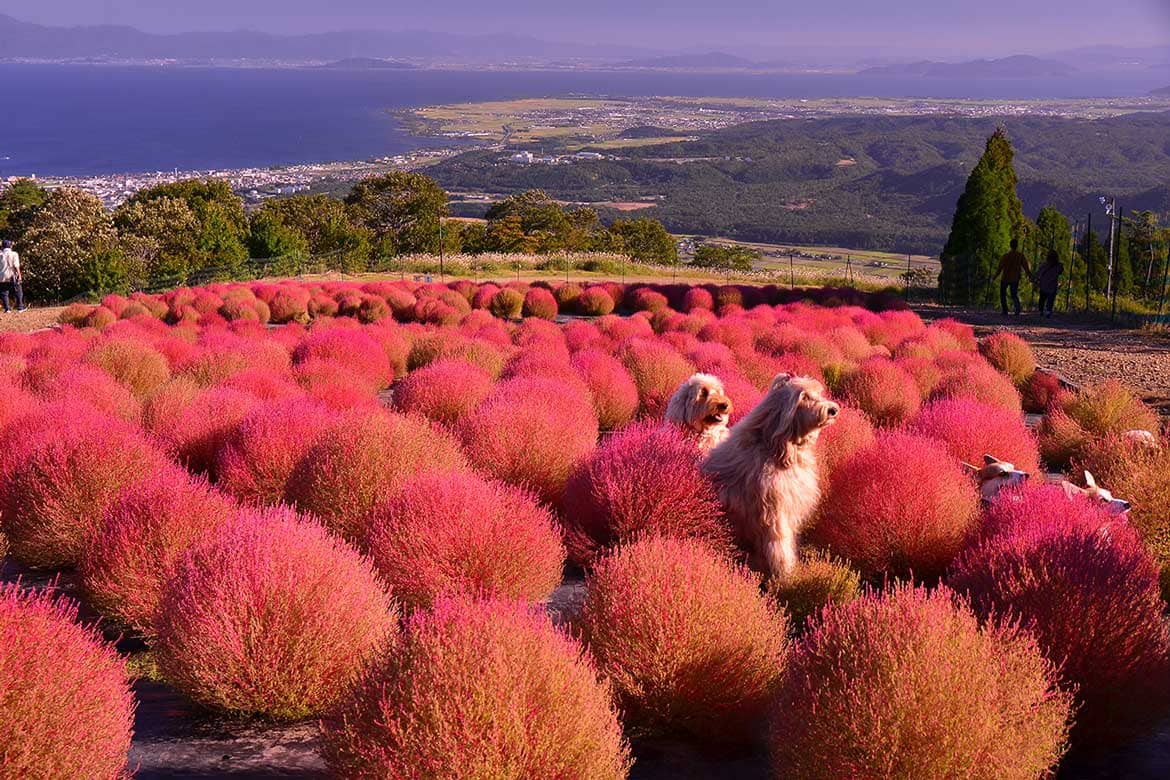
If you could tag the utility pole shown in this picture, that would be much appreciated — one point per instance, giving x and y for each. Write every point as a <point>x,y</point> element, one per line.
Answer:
<point>1111,212</point>
<point>1113,267</point>
<point>442,270</point>
<point>1088,259</point>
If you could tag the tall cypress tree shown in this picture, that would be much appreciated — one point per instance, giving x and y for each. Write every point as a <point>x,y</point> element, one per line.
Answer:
<point>988,215</point>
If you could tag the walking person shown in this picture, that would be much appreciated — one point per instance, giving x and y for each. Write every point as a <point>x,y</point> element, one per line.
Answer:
<point>10,277</point>
<point>1048,282</point>
<point>1013,266</point>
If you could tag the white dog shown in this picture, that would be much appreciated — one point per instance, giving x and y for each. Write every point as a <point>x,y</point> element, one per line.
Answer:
<point>701,408</point>
<point>1116,507</point>
<point>766,471</point>
<point>995,475</point>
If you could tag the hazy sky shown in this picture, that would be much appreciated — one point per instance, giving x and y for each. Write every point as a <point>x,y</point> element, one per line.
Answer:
<point>930,26</point>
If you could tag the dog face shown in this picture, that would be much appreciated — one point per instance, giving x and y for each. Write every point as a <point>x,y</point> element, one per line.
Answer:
<point>1116,507</point>
<point>995,476</point>
<point>699,403</point>
<point>796,411</point>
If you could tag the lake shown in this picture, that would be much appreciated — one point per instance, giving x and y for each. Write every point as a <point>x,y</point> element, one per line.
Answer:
<point>86,120</point>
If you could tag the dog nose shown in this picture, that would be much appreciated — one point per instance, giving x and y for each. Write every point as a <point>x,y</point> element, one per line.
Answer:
<point>834,410</point>
<point>721,406</point>
<point>1126,505</point>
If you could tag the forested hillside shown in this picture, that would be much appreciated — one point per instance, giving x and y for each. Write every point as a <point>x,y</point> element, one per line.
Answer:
<point>864,182</point>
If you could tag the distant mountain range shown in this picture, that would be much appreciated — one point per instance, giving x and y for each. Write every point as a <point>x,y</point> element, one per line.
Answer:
<point>1019,66</point>
<point>1163,92</point>
<point>23,40</point>
<point>714,60</point>
<point>367,63</point>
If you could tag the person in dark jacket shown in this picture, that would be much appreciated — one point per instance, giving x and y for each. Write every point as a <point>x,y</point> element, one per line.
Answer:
<point>1048,282</point>
<point>1012,266</point>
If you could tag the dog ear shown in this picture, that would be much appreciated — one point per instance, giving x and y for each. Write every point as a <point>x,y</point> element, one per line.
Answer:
<point>972,470</point>
<point>781,380</point>
<point>1089,481</point>
<point>989,460</point>
<point>1070,490</point>
<point>782,422</point>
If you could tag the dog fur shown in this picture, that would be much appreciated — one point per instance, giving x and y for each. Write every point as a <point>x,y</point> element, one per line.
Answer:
<point>701,408</point>
<point>1143,439</point>
<point>1116,507</point>
<point>766,471</point>
<point>994,476</point>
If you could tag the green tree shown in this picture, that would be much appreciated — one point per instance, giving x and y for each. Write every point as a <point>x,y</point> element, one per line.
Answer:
<point>162,236</point>
<point>18,202</point>
<point>273,239</point>
<point>70,246</point>
<point>326,225</point>
<point>507,235</point>
<point>646,241</point>
<point>730,258</point>
<point>475,238</point>
<point>989,214</point>
<point>221,241</point>
<point>1147,249</point>
<point>401,210</point>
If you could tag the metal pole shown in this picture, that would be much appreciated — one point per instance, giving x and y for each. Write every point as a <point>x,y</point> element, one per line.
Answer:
<point>1165,279</point>
<point>1072,259</point>
<point>1088,259</point>
<point>909,273</point>
<point>1109,274</point>
<point>791,273</point>
<point>442,269</point>
<point>1117,217</point>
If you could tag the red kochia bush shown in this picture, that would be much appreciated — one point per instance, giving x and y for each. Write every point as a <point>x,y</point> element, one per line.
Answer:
<point>507,304</point>
<point>1009,354</point>
<point>539,302</point>
<point>531,432</point>
<point>849,433</point>
<point>970,430</point>
<point>1044,506</point>
<point>271,616</point>
<point>901,505</point>
<point>909,684</point>
<point>62,467</point>
<point>459,533</point>
<point>698,298</point>
<point>66,709</point>
<point>144,532</point>
<point>1039,391</point>
<point>479,689</point>
<point>359,352</point>
<point>259,455</point>
<point>657,370</point>
<point>595,302</point>
<point>444,391</point>
<point>687,639</point>
<point>134,363</point>
<point>885,392</point>
<point>644,479</point>
<point>360,458</point>
<point>615,396</point>
<point>1091,599</point>
<point>980,382</point>
<point>198,432</point>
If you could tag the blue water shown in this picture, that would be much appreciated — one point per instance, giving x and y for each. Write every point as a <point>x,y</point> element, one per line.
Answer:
<point>82,120</point>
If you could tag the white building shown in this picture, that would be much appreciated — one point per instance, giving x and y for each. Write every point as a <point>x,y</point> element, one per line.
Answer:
<point>524,158</point>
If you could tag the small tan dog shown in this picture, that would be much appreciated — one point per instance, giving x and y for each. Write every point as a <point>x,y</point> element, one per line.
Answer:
<point>701,408</point>
<point>766,471</point>
<point>1116,507</point>
<point>995,475</point>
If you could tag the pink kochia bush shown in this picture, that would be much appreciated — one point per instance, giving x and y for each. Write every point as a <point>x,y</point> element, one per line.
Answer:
<point>444,391</point>
<point>657,370</point>
<point>456,532</point>
<point>615,396</point>
<point>1009,354</point>
<point>850,432</point>
<point>479,689</point>
<point>1090,596</point>
<point>909,684</point>
<point>1044,506</point>
<point>644,479</point>
<point>970,429</point>
<point>900,506</point>
<point>202,427</point>
<point>883,390</point>
<point>360,458</point>
<point>61,469</point>
<point>688,641</point>
<point>66,709</point>
<point>259,456</point>
<point>271,616</point>
<point>531,432</point>
<point>145,531</point>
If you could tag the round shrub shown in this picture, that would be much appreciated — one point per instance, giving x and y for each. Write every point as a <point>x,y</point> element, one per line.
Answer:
<point>885,392</point>
<point>645,479</point>
<point>595,302</point>
<point>1110,408</point>
<point>657,371</point>
<point>197,433</point>
<point>531,432</point>
<point>260,454</point>
<point>1092,601</point>
<point>479,689</point>
<point>63,466</point>
<point>688,641</point>
<point>89,386</point>
<point>66,709</point>
<point>1061,438</point>
<point>144,533</point>
<point>698,298</point>
<point>360,458</point>
<point>850,432</point>
<point>539,302</point>
<point>1043,506</point>
<point>507,304</point>
<point>646,299</point>
<point>979,382</point>
<point>290,303</point>
<point>1040,391</point>
<point>900,506</point>
<point>970,429</point>
<point>820,581</point>
<point>615,396</point>
<point>459,533</point>
<point>271,616</point>
<point>1010,355</point>
<point>907,684</point>
<point>566,296</point>
<point>356,350</point>
<point>445,391</point>
<point>134,363</point>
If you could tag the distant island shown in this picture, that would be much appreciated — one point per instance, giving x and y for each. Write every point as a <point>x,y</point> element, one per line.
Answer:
<point>1163,92</point>
<point>1017,67</point>
<point>367,63</point>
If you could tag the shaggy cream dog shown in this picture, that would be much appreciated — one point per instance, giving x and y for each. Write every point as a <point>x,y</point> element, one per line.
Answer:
<point>995,475</point>
<point>701,408</point>
<point>766,471</point>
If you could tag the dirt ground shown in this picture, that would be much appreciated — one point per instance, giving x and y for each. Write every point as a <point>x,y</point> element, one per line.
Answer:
<point>1083,351</point>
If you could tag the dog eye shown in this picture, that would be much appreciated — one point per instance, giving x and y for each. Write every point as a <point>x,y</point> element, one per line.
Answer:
<point>703,393</point>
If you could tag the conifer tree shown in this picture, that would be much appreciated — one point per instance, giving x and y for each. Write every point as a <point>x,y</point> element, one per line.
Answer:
<point>988,216</point>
